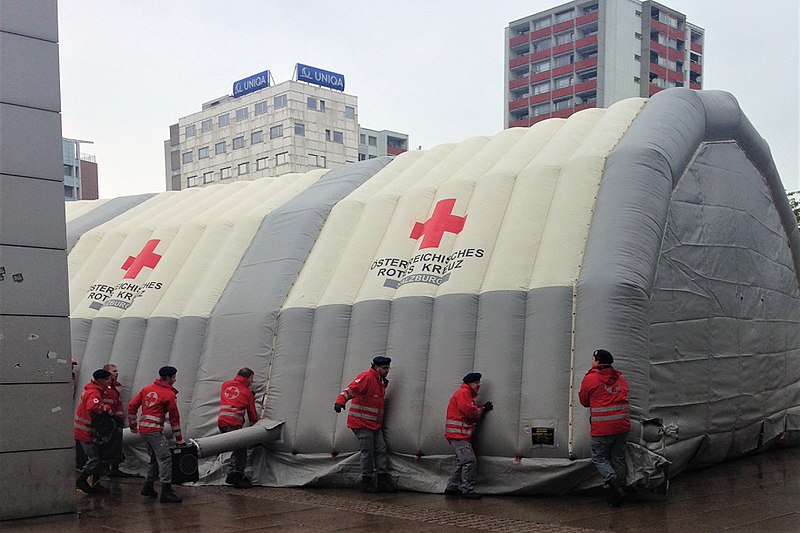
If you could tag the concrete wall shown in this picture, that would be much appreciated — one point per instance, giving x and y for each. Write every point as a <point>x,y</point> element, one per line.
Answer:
<point>36,444</point>
<point>617,67</point>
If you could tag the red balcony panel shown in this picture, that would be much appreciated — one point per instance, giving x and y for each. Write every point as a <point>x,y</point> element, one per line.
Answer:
<point>697,47</point>
<point>562,113</point>
<point>584,106</point>
<point>522,123</point>
<point>563,26</point>
<point>394,151</point>
<point>653,89</point>
<point>541,76</point>
<point>518,40</point>
<point>695,86</point>
<point>539,118</point>
<point>562,48</point>
<point>659,48</point>
<point>560,71</point>
<point>541,97</point>
<point>516,104</point>
<point>586,19</point>
<point>544,32</point>
<point>560,93</point>
<point>517,61</point>
<point>675,55</point>
<point>585,86</point>
<point>521,82</point>
<point>660,27</point>
<point>536,56</point>
<point>586,63</point>
<point>674,76</point>
<point>696,67</point>
<point>586,41</point>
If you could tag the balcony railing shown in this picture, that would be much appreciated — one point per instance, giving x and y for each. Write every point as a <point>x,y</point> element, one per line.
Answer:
<point>520,39</point>
<point>586,19</point>
<point>516,104</point>
<point>522,123</point>
<point>697,47</point>
<point>393,150</point>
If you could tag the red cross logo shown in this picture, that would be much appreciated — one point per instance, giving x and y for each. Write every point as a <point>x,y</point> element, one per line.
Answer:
<point>146,258</point>
<point>232,393</point>
<point>150,399</point>
<point>442,220</point>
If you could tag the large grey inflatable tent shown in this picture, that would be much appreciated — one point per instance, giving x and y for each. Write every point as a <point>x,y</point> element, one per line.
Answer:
<point>657,229</point>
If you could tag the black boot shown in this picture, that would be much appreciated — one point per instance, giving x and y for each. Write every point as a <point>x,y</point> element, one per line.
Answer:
<point>367,485</point>
<point>232,478</point>
<point>385,483</point>
<point>83,483</point>
<point>97,488</point>
<point>148,490</point>
<point>242,482</point>
<point>167,496</point>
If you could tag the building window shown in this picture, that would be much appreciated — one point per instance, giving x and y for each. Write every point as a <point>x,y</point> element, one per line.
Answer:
<point>566,103</point>
<point>257,137</point>
<point>187,157</point>
<point>312,103</point>
<point>225,172</point>
<point>261,163</point>
<point>565,16</point>
<point>300,129</point>
<point>636,79</point>
<point>637,57</point>
<point>244,168</point>
<point>362,157</point>
<point>282,158</point>
<point>564,38</point>
<point>276,131</point>
<point>541,66</point>
<point>241,114</point>
<point>206,125</point>
<point>541,23</point>
<point>373,141</point>
<point>279,101</point>
<point>327,135</point>
<point>563,60</point>
<point>316,161</point>
<point>540,88</point>
<point>349,111</point>
<point>541,45</point>
<point>191,181</point>
<point>68,170</point>
<point>219,148</point>
<point>560,83</point>
<point>202,153</point>
<point>190,130</point>
<point>638,35</point>
<point>338,137</point>
<point>362,139</point>
<point>260,108</point>
<point>208,177</point>
<point>238,142</point>
<point>224,120</point>
<point>541,109</point>
<point>322,105</point>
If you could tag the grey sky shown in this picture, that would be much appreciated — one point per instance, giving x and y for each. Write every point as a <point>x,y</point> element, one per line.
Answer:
<point>431,69</point>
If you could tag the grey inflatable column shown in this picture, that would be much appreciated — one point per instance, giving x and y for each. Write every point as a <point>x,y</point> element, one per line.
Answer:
<point>36,444</point>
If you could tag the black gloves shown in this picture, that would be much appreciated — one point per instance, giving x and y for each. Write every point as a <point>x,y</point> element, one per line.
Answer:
<point>338,407</point>
<point>488,406</point>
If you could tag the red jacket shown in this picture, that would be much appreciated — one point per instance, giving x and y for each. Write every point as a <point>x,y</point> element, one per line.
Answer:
<point>235,397</point>
<point>157,401</point>
<point>112,399</point>
<point>605,392</point>
<point>366,391</point>
<point>462,414</point>
<point>91,404</point>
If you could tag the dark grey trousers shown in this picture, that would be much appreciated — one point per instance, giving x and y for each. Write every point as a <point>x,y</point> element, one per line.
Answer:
<point>160,457</point>
<point>608,456</point>
<point>373,451</point>
<point>465,469</point>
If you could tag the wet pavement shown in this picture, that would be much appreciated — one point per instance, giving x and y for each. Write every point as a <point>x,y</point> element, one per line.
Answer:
<point>757,493</point>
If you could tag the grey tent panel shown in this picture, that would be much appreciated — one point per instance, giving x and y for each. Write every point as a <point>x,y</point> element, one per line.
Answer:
<point>101,215</point>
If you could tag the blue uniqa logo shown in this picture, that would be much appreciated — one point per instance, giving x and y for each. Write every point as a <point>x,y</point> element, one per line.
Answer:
<point>317,76</point>
<point>251,84</point>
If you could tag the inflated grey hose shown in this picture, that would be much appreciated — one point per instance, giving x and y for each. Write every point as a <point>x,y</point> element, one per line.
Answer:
<point>261,432</point>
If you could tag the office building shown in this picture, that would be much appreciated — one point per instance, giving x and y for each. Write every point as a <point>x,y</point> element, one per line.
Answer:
<point>272,130</point>
<point>80,171</point>
<point>592,53</point>
<point>374,143</point>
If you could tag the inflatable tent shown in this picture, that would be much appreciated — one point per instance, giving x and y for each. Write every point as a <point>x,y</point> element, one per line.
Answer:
<point>657,229</point>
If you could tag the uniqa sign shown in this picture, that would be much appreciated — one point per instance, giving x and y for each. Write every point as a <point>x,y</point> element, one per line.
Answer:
<point>251,84</point>
<point>317,76</point>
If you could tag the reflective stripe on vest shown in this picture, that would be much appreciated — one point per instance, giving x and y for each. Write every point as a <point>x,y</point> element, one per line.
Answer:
<point>610,408</point>
<point>347,394</point>
<point>364,415</point>
<point>81,427</point>
<point>610,417</point>
<point>456,426</point>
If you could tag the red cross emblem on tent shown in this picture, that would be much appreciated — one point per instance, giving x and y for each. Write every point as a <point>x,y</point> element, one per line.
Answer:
<point>150,399</point>
<point>146,258</point>
<point>442,220</point>
<point>232,393</point>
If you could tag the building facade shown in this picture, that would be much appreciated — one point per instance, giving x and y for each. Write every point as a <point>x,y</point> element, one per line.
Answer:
<point>592,53</point>
<point>375,143</point>
<point>80,171</point>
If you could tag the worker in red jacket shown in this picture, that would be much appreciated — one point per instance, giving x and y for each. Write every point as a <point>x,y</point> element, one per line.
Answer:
<point>114,401</point>
<point>365,419</point>
<point>90,407</point>
<point>605,392</point>
<point>235,400</point>
<point>462,418</point>
<point>158,401</point>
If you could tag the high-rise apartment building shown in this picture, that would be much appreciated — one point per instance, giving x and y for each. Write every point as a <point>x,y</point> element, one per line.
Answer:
<point>270,131</point>
<point>592,53</point>
<point>80,171</point>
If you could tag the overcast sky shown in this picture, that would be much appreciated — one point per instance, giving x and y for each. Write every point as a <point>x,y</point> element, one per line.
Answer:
<point>430,68</point>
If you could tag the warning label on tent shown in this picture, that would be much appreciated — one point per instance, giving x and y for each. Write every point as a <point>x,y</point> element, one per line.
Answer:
<point>542,436</point>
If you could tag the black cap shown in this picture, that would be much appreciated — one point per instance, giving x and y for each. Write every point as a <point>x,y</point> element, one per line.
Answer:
<point>603,357</point>
<point>101,374</point>
<point>381,361</point>
<point>166,371</point>
<point>472,377</point>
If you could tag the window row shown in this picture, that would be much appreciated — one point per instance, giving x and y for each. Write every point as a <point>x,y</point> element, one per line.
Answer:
<point>373,141</point>
<point>262,163</point>
<point>259,108</point>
